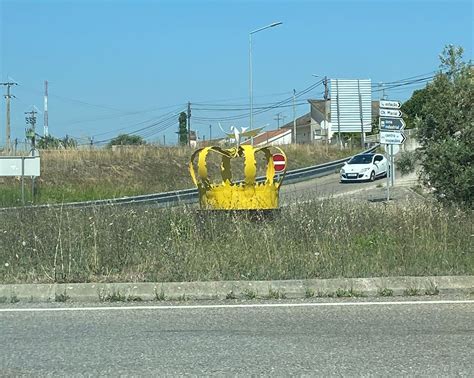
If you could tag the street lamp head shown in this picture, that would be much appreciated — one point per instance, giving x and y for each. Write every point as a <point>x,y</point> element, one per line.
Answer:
<point>266,27</point>
<point>276,24</point>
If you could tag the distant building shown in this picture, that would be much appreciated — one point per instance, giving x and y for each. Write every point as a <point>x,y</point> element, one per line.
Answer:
<point>271,138</point>
<point>193,138</point>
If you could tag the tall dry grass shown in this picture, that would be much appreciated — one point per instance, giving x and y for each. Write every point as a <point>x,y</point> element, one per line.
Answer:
<point>332,238</point>
<point>80,175</point>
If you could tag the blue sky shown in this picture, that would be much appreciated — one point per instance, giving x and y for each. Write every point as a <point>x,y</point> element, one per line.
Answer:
<point>121,66</point>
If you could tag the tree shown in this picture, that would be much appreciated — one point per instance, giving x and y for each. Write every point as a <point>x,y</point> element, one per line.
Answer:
<point>446,131</point>
<point>183,129</point>
<point>127,140</point>
<point>68,142</point>
<point>49,142</point>
<point>413,107</point>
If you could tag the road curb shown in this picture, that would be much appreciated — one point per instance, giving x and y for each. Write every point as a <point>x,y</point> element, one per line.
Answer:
<point>337,287</point>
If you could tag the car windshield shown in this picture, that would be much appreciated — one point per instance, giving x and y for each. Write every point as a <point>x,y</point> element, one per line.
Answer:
<point>361,159</point>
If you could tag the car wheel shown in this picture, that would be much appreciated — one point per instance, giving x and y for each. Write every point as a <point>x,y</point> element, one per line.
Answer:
<point>372,176</point>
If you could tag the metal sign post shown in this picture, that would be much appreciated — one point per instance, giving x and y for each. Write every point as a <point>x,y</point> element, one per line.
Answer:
<point>20,166</point>
<point>391,125</point>
<point>389,172</point>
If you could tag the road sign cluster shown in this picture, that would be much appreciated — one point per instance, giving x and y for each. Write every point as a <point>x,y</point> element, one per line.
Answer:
<point>391,123</point>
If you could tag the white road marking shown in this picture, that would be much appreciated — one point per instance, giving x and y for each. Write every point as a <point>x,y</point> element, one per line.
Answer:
<point>232,306</point>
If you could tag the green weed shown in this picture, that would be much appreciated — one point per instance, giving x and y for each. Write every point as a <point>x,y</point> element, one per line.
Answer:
<point>432,290</point>
<point>231,295</point>
<point>275,294</point>
<point>411,291</point>
<point>113,296</point>
<point>160,296</point>
<point>61,297</point>
<point>385,292</point>
<point>249,294</point>
<point>342,293</point>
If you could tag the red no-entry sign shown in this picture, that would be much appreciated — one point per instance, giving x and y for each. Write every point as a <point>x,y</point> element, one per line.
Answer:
<point>279,162</point>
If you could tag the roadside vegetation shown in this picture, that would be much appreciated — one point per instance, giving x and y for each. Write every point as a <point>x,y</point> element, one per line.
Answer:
<point>70,175</point>
<point>327,239</point>
<point>443,115</point>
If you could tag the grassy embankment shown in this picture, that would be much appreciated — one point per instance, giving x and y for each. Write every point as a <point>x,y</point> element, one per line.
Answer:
<point>81,175</point>
<point>332,238</point>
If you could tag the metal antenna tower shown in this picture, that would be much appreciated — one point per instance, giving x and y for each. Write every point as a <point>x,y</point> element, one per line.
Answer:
<point>45,119</point>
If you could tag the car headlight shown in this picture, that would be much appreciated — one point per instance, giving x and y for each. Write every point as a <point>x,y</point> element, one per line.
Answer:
<point>343,171</point>
<point>364,170</point>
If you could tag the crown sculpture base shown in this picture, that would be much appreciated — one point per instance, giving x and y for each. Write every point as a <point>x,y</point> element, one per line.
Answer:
<point>245,195</point>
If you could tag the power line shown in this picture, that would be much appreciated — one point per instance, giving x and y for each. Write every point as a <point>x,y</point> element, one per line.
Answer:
<point>264,109</point>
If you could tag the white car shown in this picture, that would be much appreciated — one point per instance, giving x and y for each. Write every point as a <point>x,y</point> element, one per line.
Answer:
<point>364,167</point>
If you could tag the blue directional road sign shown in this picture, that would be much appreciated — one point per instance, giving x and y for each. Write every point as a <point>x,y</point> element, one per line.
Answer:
<point>391,123</point>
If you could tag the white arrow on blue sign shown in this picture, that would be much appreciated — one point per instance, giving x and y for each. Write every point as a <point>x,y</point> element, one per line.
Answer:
<point>390,112</point>
<point>392,137</point>
<point>391,123</point>
<point>390,104</point>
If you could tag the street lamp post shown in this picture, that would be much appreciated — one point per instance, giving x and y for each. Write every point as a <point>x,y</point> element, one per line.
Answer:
<point>250,71</point>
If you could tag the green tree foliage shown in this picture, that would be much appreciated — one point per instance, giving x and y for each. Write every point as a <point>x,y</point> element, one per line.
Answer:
<point>183,129</point>
<point>446,130</point>
<point>413,107</point>
<point>50,142</point>
<point>126,140</point>
<point>69,142</point>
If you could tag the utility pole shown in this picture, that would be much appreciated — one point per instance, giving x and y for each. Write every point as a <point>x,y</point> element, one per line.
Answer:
<point>31,133</point>
<point>164,140</point>
<point>31,120</point>
<point>326,97</point>
<point>381,85</point>
<point>278,118</point>
<point>189,124</point>
<point>362,133</point>
<point>210,132</point>
<point>294,116</point>
<point>8,96</point>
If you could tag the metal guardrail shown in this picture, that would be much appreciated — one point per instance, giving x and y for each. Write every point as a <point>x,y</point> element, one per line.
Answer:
<point>179,197</point>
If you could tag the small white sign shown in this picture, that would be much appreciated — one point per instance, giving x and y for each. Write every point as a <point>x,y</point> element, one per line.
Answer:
<point>13,166</point>
<point>390,104</point>
<point>392,137</point>
<point>390,113</point>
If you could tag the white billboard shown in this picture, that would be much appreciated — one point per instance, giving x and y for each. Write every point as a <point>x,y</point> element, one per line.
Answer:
<point>351,105</point>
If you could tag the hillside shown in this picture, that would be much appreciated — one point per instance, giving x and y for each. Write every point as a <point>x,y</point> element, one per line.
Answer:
<point>77,175</point>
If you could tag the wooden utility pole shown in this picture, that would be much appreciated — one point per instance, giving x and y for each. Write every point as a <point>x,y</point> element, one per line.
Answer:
<point>8,96</point>
<point>189,124</point>
<point>326,96</point>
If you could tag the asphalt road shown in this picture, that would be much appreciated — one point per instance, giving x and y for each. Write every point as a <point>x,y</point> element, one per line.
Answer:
<point>372,339</point>
<point>330,187</point>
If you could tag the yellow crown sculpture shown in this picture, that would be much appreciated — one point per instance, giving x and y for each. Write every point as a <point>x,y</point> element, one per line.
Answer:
<point>245,195</point>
